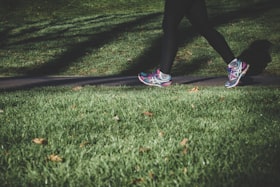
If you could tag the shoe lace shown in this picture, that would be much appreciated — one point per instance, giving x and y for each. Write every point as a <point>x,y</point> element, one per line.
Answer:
<point>234,72</point>
<point>153,74</point>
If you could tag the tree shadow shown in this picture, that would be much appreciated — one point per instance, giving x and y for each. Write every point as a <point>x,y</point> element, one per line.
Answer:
<point>62,62</point>
<point>3,36</point>
<point>147,60</point>
<point>194,65</point>
<point>257,55</point>
<point>57,33</point>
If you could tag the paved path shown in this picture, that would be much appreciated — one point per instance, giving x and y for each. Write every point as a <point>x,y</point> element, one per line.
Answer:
<point>17,83</point>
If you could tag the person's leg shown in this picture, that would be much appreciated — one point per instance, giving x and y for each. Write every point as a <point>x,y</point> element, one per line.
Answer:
<point>174,11</point>
<point>199,19</point>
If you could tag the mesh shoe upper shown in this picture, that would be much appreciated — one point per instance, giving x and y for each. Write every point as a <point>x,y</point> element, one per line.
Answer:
<point>236,70</point>
<point>154,79</point>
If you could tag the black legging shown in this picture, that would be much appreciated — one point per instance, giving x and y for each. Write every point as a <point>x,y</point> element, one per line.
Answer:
<point>195,11</point>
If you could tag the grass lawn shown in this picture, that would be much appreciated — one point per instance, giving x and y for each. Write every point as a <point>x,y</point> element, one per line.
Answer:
<point>126,136</point>
<point>100,136</point>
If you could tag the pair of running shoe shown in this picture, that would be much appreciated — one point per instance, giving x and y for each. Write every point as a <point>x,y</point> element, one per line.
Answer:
<point>236,70</point>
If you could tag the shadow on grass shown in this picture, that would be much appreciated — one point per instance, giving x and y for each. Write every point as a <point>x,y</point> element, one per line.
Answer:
<point>257,55</point>
<point>4,36</point>
<point>148,59</point>
<point>78,50</point>
<point>194,65</point>
<point>56,34</point>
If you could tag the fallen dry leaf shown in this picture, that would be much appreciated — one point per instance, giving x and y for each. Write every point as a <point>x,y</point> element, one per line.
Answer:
<point>184,141</point>
<point>138,181</point>
<point>185,170</point>
<point>117,118</point>
<point>185,151</point>
<point>144,149</point>
<point>152,176</point>
<point>195,89</point>
<point>148,114</point>
<point>137,168</point>
<point>55,158</point>
<point>161,133</point>
<point>77,88</point>
<point>84,144</point>
<point>94,70</point>
<point>73,107</point>
<point>190,53</point>
<point>40,141</point>
<point>209,62</point>
<point>192,105</point>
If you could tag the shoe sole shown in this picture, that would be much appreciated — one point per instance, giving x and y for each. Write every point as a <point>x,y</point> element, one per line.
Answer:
<point>150,84</point>
<point>241,75</point>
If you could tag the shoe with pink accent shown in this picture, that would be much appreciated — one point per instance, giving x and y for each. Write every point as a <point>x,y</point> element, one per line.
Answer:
<point>155,79</point>
<point>236,70</point>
